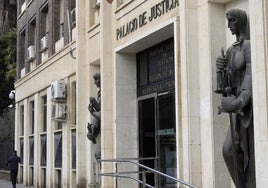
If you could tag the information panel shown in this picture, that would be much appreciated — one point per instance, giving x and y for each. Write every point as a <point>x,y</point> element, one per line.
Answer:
<point>156,68</point>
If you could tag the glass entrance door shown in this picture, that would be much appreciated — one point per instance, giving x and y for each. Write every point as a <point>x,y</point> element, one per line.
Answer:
<point>166,138</point>
<point>147,134</point>
<point>158,137</point>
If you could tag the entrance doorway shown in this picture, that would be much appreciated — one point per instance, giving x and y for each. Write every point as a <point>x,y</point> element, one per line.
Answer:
<point>158,136</point>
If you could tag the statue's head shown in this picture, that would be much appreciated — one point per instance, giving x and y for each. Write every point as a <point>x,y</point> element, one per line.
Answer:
<point>96,78</point>
<point>237,22</point>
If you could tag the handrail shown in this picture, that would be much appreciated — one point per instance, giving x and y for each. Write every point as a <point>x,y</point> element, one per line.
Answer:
<point>127,177</point>
<point>132,161</point>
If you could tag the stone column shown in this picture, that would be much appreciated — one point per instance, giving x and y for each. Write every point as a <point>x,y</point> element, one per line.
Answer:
<point>50,143</point>
<point>107,89</point>
<point>26,143</point>
<point>82,94</point>
<point>66,154</point>
<point>258,36</point>
<point>37,123</point>
<point>220,123</point>
<point>191,149</point>
<point>206,94</point>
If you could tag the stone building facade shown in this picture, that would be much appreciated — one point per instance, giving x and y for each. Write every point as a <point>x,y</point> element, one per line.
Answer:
<point>156,59</point>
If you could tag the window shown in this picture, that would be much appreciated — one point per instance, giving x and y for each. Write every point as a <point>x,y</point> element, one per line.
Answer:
<point>31,50</point>
<point>32,117</point>
<point>73,103</point>
<point>22,120</point>
<point>58,149</point>
<point>31,149</point>
<point>21,149</point>
<point>73,149</point>
<point>58,125</point>
<point>21,58</point>
<point>58,179</point>
<point>43,177</point>
<point>122,2</point>
<point>43,141</point>
<point>23,6</point>
<point>72,4</point>
<point>72,8</point>
<point>21,174</point>
<point>94,14</point>
<point>44,21</point>
<point>31,176</point>
<point>44,113</point>
<point>58,19</point>
<point>43,159</point>
<point>44,25</point>
<point>32,33</point>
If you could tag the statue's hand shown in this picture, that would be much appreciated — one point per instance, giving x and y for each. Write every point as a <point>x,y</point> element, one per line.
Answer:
<point>92,100</point>
<point>89,127</point>
<point>90,108</point>
<point>221,62</point>
<point>230,104</point>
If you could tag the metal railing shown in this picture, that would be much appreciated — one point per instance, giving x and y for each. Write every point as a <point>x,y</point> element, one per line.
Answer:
<point>126,174</point>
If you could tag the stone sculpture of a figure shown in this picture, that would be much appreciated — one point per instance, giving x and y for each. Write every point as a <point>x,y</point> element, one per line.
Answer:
<point>94,109</point>
<point>235,84</point>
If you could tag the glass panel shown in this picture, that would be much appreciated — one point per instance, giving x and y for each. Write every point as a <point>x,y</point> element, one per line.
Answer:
<point>167,139</point>
<point>44,22</point>
<point>31,145</point>
<point>73,103</point>
<point>74,179</point>
<point>73,149</point>
<point>58,179</point>
<point>44,103</point>
<point>158,137</point>
<point>147,134</point>
<point>161,62</point>
<point>31,178</point>
<point>58,125</point>
<point>143,70</point>
<point>58,149</point>
<point>21,150</point>
<point>43,150</point>
<point>155,70</point>
<point>21,175</point>
<point>43,177</point>
<point>32,33</point>
<point>32,117</point>
<point>22,120</point>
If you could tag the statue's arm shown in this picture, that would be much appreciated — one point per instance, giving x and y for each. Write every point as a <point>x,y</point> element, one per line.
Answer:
<point>231,104</point>
<point>245,94</point>
<point>97,115</point>
<point>247,81</point>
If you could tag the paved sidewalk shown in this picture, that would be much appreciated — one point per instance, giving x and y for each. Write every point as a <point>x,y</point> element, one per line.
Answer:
<point>7,184</point>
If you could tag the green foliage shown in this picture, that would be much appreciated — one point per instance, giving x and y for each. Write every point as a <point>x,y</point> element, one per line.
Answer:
<point>7,67</point>
<point>7,125</point>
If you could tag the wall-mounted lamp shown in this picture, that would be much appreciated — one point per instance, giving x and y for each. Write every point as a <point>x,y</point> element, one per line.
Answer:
<point>11,94</point>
